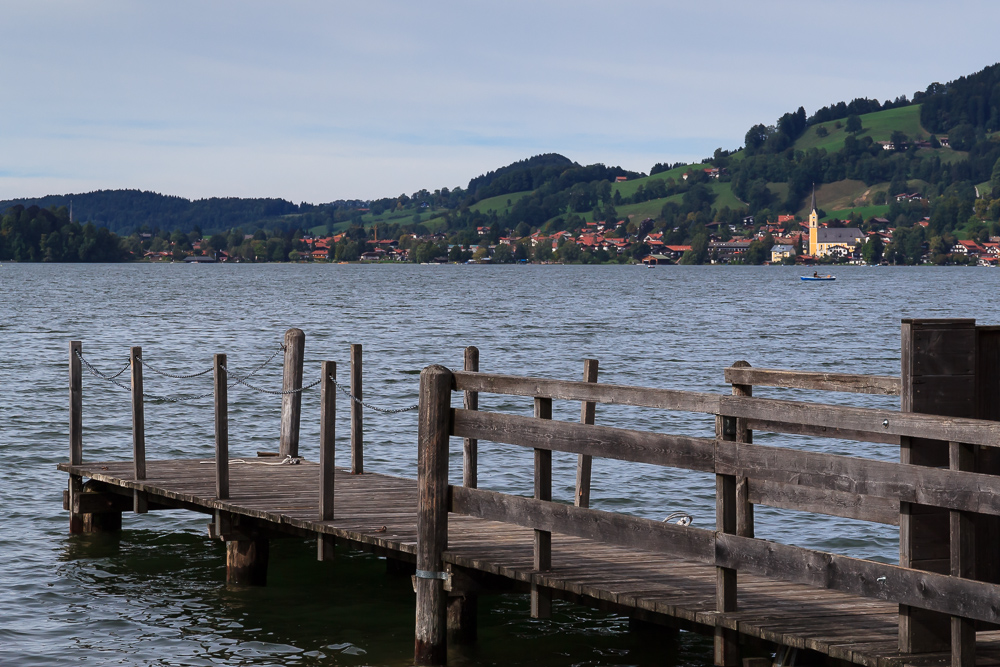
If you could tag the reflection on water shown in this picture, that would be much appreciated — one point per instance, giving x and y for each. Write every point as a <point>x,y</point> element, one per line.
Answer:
<point>155,594</point>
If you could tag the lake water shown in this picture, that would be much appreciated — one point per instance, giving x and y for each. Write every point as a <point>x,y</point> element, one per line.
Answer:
<point>155,594</point>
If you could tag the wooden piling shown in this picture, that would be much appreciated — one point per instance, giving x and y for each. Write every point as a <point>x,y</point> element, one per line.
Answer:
<point>430,641</point>
<point>357,415</point>
<point>584,462</point>
<point>75,429</point>
<point>541,598</point>
<point>291,403</point>
<point>246,562</point>
<point>963,560</point>
<point>327,450</point>
<point>470,446</point>
<point>938,377</point>
<point>221,428</point>
<point>139,504</point>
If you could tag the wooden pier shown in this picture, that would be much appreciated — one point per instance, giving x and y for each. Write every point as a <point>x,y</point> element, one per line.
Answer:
<point>939,606</point>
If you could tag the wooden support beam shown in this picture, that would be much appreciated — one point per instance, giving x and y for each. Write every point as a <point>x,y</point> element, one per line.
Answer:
<point>75,403</point>
<point>138,415</point>
<point>470,446</point>
<point>327,454</point>
<point>246,562</point>
<point>463,618</point>
<point>357,414</point>
<point>430,646</point>
<point>963,561</point>
<point>291,403</point>
<point>585,462</point>
<point>541,598</point>
<point>221,428</point>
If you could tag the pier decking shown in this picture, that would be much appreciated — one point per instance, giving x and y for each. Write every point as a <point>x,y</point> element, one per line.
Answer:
<point>940,605</point>
<point>378,512</point>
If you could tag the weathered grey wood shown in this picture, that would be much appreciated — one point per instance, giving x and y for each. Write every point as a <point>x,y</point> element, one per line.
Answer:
<point>357,414</point>
<point>602,441</point>
<point>470,446</point>
<point>463,618</point>
<point>327,438</point>
<point>865,578</point>
<point>763,425</point>
<point>823,501</point>
<point>541,598</point>
<point>884,385</point>
<point>689,543</point>
<point>727,520</point>
<point>988,459</point>
<point>864,420</point>
<point>937,375</point>
<point>246,562</point>
<point>75,403</point>
<point>221,428</point>
<point>291,403</point>
<point>430,642</point>
<point>963,561</point>
<point>585,462</point>
<point>951,489</point>
<point>744,509</point>
<point>514,385</point>
<point>138,416</point>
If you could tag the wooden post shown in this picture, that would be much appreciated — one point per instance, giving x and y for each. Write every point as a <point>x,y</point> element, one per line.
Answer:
<point>139,503</point>
<point>221,429</point>
<point>75,430</point>
<point>357,415</point>
<point>291,404</point>
<point>963,561</point>
<point>430,640</point>
<point>733,514</point>
<point>584,462</point>
<point>327,447</point>
<point>987,458</point>
<point>938,377</point>
<point>541,598</point>
<point>463,618</point>
<point>470,446</point>
<point>246,562</point>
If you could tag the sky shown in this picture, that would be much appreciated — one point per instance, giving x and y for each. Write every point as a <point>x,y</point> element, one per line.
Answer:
<point>322,100</point>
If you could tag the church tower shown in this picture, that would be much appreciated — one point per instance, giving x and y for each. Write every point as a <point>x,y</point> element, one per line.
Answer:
<point>813,226</point>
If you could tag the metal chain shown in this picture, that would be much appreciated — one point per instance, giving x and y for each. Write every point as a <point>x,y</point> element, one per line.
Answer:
<point>385,411</point>
<point>97,373</point>
<point>146,364</point>
<point>272,392</point>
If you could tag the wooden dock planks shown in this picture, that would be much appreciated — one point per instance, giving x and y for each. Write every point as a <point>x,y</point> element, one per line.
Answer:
<point>374,510</point>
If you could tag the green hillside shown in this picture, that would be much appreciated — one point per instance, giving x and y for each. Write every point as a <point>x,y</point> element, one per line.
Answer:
<point>879,126</point>
<point>501,204</point>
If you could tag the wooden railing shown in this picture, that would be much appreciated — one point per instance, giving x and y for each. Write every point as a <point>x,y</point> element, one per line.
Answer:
<point>746,473</point>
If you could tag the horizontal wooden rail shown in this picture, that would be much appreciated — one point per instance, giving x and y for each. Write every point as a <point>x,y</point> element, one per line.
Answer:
<point>694,544</point>
<point>613,394</point>
<point>938,592</point>
<point>823,501</point>
<point>884,385</point>
<point>601,441</point>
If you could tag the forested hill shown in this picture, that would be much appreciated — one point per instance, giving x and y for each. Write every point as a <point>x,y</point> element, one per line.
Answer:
<point>125,211</point>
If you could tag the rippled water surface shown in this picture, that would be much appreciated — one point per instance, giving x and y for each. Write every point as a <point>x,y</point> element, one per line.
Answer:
<point>155,593</point>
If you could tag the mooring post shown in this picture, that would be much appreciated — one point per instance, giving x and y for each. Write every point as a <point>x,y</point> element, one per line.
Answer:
<point>291,403</point>
<point>246,562</point>
<point>938,377</point>
<point>139,504</point>
<point>357,415</point>
<point>75,430</point>
<point>470,446</point>
<point>327,446</point>
<point>430,641</point>
<point>541,597</point>
<point>584,462</point>
<point>221,428</point>
<point>963,560</point>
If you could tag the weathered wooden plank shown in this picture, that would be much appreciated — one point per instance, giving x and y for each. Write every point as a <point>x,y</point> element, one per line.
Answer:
<point>515,385</point>
<point>927,590</point>
<point>962,541</point>
<point>683,542</point>
<point>541,599</point>
<point>470,446</point>
<point>768,426</point>
<point>959,490</point>
<point>603,441</point>
<point>864,420</point>
<point>884,385</point>
<point>823,501</point>
<point>291,403</point>
<point>357,414</point>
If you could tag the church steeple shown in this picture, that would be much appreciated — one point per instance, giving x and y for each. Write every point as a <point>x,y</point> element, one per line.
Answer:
<point>813,226</point>
<point>813,207</point>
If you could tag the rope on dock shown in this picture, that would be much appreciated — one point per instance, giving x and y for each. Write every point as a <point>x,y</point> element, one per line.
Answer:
<point>287,461</point>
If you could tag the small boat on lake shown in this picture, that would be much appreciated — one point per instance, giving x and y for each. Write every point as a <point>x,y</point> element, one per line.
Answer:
<point>818,277</point>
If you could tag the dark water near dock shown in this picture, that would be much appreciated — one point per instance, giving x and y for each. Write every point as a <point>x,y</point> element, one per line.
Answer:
<point>155,594</point>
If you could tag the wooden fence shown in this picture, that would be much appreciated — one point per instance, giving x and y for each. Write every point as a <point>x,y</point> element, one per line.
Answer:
<point>746,474</point>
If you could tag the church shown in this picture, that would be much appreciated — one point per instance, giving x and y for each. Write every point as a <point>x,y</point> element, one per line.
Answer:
<point>826,241</point>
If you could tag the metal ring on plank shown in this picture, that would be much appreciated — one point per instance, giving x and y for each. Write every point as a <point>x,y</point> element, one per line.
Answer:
<point>428,574</point>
